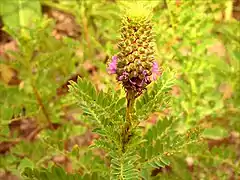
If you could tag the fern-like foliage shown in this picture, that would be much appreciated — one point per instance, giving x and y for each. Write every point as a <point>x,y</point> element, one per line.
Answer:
<point>163,141</point>
<point>56,173</point>
<point>124,167</point>
<point>121,144</point>
<point>157,98</point>
<point>101,107</point>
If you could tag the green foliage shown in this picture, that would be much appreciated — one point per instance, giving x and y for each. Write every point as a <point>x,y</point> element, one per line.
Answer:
<point>106,109</point>
<point>33,66</point>
<point>99,106</point>
<point>189,37</point>
<point>163,142</point>
<point>18,13</point>
<point>53,173</point>
<point>216,157</point>
<point>29,107</point>
<point>215,133</point>
<point>157,98</point>
<point>185,125</point>
<point>92,16</point>
<point>124,167</point>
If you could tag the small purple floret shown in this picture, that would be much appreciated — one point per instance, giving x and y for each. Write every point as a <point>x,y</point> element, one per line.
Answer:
<point>123,77</point>
<point>155,70</point>
<point>112,68</point>
<point>144,73</point>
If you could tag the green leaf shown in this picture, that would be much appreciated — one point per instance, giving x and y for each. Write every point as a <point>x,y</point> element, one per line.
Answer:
<point>124,167</point>
<point>98,106</point>
<point>99,131</point>
<point>157,164</point>
<point>156,98</point>
<point>120,103</point>
<point>215,133</point>
<point>75,151</point>
<point>48,174</point>
<point>165,160</point>
<point>25,163</point>
<point>237,55</point>
<point>19,13</point>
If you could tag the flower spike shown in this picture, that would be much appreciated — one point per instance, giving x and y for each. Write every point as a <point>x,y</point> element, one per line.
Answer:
<point>135,64</point>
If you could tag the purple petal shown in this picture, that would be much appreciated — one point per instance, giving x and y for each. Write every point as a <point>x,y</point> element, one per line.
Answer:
<point>132,82</point>
<point>112,68</point>
<point>120,78</point>
<point>124,76</point>
<point>155,70</point>
<point>141,84</point>
<point>155,67</point>
<point>144,73</point>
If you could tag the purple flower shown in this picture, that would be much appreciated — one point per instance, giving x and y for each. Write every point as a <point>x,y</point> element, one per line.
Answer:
<point>155,70</point>
<point>145,79</point>
<point>123,77</point>
<point>112,68</point>
<point>135,78</point>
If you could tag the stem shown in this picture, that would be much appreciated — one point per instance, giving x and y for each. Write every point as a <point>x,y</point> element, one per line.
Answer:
<point>85,30</point>
<point>83,19</point>
<point>170,15</point>
<point>36,93</point>
<point>40,102</point>
<point>228,10</point>
<point>130,106</point>
<point>126,132</point>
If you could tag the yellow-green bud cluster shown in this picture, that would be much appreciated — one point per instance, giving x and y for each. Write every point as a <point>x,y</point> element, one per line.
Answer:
<point>136,47</point>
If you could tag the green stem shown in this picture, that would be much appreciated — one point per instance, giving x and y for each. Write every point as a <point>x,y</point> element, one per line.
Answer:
<point>36,92</point>
<point>42,106</point>
<point>170,15</point>
<point>130,106</point>
<point>228,10</point>
<point>126,132</point>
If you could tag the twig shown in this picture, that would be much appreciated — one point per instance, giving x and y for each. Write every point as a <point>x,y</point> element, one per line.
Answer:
<point>39,100</point>
<point>228,10</point>
<point>170,14</point>
<point>129,122</point>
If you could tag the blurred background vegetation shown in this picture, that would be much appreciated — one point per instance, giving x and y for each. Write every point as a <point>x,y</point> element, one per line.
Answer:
<point>46,43</point>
